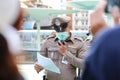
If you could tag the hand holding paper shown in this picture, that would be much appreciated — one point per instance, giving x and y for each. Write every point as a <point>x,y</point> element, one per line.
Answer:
<point>47,63</point>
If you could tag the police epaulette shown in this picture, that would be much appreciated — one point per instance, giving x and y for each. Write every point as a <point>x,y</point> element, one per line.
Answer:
<point>87,40</point>
<point>50,37</point>
<point>80,39</point>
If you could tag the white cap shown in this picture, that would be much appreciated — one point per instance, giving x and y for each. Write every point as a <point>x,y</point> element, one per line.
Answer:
<point>9,10</point>
<point>62,19</point>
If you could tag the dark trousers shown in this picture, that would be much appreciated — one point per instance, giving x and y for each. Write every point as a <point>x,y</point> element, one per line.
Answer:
<point>44,77</point>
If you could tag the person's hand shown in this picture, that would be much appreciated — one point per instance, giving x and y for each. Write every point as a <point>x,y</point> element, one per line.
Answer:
<point>37,67</point>
<point>97,16</point>
<point>115,14</point>
<point>62,48</point>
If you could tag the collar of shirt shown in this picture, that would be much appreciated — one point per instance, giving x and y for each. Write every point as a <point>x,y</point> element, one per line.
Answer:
<point>67,40</point>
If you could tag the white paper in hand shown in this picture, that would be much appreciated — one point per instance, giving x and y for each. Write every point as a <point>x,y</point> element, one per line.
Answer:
<point>47,63</point>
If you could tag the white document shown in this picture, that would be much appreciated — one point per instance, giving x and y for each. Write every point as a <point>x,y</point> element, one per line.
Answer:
<point>47,63</point>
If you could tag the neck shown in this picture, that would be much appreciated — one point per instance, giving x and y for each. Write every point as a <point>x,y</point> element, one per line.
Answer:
<point>69,36</point>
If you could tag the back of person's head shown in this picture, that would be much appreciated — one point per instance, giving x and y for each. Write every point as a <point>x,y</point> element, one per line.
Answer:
<point>60,23</point>
<point>97,19</point>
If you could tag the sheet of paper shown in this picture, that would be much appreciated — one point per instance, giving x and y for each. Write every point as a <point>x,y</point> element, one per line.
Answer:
<point>47,63</point>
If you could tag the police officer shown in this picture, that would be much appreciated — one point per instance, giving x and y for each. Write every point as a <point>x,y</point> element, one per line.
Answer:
<point>64,50</point>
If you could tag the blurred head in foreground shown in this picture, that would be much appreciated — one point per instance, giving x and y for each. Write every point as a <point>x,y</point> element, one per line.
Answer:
<point>11,16</point>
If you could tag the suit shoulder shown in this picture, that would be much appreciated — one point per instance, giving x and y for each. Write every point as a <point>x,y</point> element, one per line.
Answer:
<point>48,39</point>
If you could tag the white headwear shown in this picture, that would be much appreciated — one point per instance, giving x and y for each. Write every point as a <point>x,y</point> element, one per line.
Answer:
<point>12,37</point>
<point>9,11</point>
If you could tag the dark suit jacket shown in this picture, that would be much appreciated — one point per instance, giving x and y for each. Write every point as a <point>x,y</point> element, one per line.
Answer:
<point>103,61</point>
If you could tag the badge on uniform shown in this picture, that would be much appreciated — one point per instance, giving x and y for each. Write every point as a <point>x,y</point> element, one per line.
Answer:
<point>72,46</point>
<point>57,22</point>
<point>64,61</point>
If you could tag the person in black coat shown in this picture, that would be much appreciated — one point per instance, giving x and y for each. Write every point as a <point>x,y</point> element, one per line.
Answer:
<point>103,60</point>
